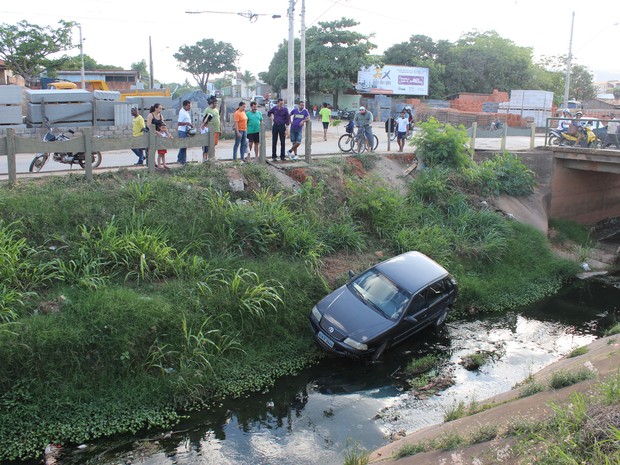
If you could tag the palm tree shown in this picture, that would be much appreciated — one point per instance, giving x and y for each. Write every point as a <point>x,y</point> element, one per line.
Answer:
<point>247,77</point>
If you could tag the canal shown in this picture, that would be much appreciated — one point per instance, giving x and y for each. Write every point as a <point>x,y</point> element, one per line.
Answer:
<point>314,417</point>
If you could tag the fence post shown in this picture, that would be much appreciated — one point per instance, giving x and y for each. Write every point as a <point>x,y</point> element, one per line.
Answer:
<point>87,133</point>
<point>211,144</point>
<point>504,135</point>
<point>472,142</point>
<point>11,161</point>
<point>151,149</point>
<point>308,146</point>
<point>262,148</point>
<point>533,135</point>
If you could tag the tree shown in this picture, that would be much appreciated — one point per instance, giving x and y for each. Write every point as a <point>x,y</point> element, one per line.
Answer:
<point>143,71</point>
<point>420,51</point>
<point>74,63</point>
<point>481,62</point>
<point>581,83</point>
<point>550,74</point>
<point>205,58</point>
<point>24,47</point>
<point>334,54</point>
<point>247,78</point>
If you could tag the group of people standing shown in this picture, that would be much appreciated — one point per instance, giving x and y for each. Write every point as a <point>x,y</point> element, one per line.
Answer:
<point>282,120</point>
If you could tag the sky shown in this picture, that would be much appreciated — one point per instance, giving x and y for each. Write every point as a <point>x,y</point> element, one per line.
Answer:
<point>116,32</point>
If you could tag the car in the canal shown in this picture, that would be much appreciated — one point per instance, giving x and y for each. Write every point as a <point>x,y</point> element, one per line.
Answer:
<point>384,305</point>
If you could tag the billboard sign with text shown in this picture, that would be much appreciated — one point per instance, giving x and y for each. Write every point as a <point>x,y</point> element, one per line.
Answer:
<point>393,79</point>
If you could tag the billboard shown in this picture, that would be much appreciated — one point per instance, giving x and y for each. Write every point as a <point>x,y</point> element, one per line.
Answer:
<point>393,79</point>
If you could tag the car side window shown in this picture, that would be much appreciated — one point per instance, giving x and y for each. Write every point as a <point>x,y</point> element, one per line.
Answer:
<point>435,291</point>
<point>417,304</point>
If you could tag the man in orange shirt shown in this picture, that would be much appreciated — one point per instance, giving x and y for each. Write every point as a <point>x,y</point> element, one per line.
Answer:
<point>241,131</point>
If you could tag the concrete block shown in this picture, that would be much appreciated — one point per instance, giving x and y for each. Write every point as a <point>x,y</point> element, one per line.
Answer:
<point>104,110</point>
<point>58,96</point>
<point>144,103</point>
<point>11,95</point>
<point>58,113</point>
<point>11,114</point>
<point>111,95</point>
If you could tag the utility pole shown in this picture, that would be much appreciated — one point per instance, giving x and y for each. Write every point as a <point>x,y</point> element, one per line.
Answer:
<point>568,63</point>
<point>151,82</point>
<point>302,54</point>
<point>82,58</point>
<point>291,55</point>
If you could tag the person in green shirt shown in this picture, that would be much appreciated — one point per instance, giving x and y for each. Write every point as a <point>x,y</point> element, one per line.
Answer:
<point>325,114</point>
<point>211,119</point>
<point>254,119</point>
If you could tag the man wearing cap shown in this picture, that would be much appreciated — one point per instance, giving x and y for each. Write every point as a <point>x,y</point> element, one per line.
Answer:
<point>613,127</point>
<point>137,129</point>
<point>363,121</point>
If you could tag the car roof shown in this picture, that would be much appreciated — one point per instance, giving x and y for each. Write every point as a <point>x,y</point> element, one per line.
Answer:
<point>412,270</point>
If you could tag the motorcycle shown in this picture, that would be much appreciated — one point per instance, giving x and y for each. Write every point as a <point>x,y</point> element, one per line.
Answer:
<point>61,157</point>
<point>555,136</point>
<point>584,137</point>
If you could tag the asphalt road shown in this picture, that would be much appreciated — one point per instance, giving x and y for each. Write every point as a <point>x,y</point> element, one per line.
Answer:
<point>126,158</point>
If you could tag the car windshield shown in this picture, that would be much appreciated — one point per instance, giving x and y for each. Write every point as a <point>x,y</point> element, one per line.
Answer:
<point>380,293</point>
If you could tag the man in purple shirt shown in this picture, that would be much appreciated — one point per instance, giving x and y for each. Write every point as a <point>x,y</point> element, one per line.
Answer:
<point>280,120</point>
<point>299,116</point>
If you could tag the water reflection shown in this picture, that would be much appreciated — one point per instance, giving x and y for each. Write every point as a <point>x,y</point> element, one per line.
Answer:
<point>309,419</point>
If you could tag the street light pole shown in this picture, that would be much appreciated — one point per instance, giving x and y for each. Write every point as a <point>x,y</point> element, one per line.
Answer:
<point>151,79</point>
<point>568,63</point>
<point>291,54</point>
<point>83,77</point>
<point>302,53</point>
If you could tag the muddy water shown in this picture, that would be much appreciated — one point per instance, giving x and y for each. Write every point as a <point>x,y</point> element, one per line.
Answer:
<point>312,418</point>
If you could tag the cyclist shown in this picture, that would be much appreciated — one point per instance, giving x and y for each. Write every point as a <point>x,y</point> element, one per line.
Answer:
<point>363,121</point>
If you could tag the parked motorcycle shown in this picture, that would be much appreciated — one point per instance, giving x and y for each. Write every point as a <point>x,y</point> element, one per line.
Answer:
<point>555,136</point>
<point>62,157</point>
<point>584,137</point>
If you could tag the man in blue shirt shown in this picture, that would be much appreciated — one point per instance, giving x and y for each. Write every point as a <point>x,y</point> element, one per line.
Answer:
<point>281,120</point>
<point>299,116</point>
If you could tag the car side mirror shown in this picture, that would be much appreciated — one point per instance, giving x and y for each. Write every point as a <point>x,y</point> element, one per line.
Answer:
<point>351,274</point>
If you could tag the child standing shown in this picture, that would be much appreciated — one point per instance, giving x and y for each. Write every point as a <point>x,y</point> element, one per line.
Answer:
<point>161,153</point>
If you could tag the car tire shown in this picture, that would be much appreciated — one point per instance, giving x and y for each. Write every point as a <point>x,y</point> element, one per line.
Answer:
<point>441,319</point>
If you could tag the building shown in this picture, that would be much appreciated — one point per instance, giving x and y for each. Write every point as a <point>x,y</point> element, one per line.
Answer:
<point>7,76</point>
<point>120,80</point>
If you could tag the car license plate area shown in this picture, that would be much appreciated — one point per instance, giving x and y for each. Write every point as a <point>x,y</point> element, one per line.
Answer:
<point>328,342</point>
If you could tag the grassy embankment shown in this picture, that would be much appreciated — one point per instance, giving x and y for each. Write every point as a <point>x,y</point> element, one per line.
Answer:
<point>126,300</point>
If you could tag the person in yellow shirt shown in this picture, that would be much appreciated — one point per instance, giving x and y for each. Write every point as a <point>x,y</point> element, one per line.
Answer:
<point>325,114</point>
<point>137,129</point>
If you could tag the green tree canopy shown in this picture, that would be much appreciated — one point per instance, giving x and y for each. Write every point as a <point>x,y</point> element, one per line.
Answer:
<point>550,74</point>
<point>143,71</point>
<point>205,58</point>
<point>74,63</point>
<point>483,61</point>
<point>25,47</point>
<point>334,54</point>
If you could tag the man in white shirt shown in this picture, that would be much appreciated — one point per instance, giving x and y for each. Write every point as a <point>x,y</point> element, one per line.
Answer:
<point>402,125</point>
<point>185,122</point>
<point>613,127</point>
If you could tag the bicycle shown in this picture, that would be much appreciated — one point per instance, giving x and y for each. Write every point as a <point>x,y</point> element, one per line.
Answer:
<point>359,144</point>
<point>345,142</point>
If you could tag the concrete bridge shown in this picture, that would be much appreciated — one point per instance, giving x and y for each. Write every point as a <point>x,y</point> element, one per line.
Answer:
<point>585,184</point>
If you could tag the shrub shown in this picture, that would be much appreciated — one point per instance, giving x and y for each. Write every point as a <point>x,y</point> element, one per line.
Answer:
<point>442,144</point>
<point>502,174</point>
<point>562,378</point>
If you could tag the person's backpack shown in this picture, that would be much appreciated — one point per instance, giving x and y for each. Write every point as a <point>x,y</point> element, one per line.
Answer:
<point>349,127</point>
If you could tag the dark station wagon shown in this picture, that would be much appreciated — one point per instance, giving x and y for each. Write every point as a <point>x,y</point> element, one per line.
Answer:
<point>384,305</point>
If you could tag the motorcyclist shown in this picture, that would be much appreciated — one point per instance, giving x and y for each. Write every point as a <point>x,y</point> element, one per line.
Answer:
<point>564,123</point>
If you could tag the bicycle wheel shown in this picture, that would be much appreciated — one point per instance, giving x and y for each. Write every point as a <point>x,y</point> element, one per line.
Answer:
<point>358,145</point>
<point>344,143</point>
<point>376,142</point>
<point>393,135</point>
